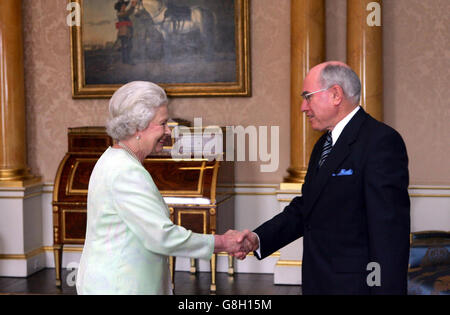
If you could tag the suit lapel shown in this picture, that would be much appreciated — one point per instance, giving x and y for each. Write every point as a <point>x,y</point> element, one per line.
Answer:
<point>339,153</point>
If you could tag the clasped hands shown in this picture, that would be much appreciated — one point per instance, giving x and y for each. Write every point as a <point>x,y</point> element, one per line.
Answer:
<point>236,243</point>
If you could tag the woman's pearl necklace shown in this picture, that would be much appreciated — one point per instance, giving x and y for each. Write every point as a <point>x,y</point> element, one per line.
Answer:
<point>123,146</point>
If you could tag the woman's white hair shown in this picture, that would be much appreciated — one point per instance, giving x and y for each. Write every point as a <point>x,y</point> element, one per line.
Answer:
<point>132,107</point>
<point>343,76</point>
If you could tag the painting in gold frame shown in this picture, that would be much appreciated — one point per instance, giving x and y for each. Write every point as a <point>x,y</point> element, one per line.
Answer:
<point>189,47</point>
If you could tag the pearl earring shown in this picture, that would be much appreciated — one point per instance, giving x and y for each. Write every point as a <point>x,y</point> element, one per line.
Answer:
<point>138,137</point>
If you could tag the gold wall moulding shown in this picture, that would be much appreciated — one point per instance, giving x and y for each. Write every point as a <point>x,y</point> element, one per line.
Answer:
<point>67,249</point>
<point>291,186</point>
<point>27,255</point>
<point>289,263</point>
<point>416,187</point>
<point>296,175</point>
<point>17,177</point>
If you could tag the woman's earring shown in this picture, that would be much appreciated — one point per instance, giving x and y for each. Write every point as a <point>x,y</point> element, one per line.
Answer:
<point>138,137</point>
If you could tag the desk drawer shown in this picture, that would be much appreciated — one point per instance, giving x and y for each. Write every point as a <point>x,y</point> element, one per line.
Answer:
<point>73,224</point>
<point>199,220</point>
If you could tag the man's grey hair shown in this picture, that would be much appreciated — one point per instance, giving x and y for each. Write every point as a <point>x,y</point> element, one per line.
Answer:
<point>343,76</point>
<point>132,107</point>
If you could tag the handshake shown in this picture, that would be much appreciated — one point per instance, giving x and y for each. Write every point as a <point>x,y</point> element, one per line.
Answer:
<point>236,243</point>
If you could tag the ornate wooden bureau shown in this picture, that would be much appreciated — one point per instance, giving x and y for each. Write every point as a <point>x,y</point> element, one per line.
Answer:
<point>189,186</point>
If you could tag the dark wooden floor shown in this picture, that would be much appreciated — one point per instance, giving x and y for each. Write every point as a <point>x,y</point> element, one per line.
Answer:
<point>43,282</point>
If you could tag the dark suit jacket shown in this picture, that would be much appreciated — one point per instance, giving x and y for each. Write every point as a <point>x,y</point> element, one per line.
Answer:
<point>349,221</point>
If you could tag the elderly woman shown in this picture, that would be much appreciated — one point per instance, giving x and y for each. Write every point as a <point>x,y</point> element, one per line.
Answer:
<point>129,235</point>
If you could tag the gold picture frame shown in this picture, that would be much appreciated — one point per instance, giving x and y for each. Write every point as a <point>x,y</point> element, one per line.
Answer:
<point>180,62</point>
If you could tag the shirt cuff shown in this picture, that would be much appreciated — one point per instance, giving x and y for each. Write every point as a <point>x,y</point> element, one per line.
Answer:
<point>258,251</point>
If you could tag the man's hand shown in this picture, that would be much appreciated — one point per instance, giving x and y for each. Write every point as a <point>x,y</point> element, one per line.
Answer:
<point>250,243</point>
<point>228,242</point>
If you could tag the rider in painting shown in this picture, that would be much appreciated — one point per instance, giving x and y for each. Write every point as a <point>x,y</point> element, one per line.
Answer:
<point>125,28</point>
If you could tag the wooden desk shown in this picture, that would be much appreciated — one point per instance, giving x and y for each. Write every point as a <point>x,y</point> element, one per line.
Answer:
<point>189,187</point>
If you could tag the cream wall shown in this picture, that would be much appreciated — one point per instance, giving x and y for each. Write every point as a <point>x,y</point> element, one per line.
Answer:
<point>416,76</point>
<point>416,84</point>
<point>51,110</point>
<point>416,53</point>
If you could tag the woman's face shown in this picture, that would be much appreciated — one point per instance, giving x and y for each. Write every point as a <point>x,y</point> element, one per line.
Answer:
<point>153,136</point>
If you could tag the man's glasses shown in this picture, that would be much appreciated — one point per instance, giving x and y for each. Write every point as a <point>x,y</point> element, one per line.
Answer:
<point>307,95</point>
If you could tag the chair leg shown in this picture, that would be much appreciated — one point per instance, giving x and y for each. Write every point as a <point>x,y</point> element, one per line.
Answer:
<point>57,253</point>
<point>230,265</point>
<point>172,262</point>
<point>193,267</point>
<point>213,274</point>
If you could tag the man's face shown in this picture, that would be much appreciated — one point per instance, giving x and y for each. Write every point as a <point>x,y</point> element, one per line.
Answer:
<point>318,108</point>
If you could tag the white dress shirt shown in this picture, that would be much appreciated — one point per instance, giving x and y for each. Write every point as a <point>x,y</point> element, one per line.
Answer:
<point>337,130</point>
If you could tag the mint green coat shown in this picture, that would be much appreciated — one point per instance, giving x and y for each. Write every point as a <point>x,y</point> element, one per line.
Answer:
<point>129,235</point>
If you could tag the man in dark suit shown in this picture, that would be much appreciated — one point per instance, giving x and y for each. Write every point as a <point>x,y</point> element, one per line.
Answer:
<point>354,209</point>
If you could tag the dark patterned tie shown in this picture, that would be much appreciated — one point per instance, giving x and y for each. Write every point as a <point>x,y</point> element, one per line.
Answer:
<point>327,146</point>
